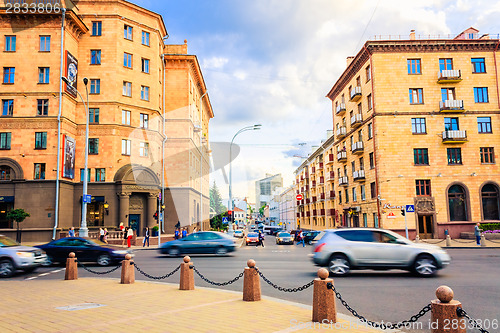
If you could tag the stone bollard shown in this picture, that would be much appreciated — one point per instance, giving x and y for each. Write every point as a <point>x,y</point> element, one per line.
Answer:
<point>251,283</point>
<point>128,272</point>
<point>71,268</point>
<point>444,313</point>
<point>187,275</point>
<point>483,240</point>
<point>323,299</point>
<point>417,239</point>
<point>448,240</point>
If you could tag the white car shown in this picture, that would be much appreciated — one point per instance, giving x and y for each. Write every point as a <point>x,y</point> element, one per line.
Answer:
<point>239,233</point>
<point>14,256</point>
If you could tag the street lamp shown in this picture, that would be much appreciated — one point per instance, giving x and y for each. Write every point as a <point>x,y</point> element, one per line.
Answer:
<point>244,129</point>
<point>84,232</point>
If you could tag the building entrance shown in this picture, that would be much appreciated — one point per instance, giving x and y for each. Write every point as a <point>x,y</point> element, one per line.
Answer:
<point>425,226</point>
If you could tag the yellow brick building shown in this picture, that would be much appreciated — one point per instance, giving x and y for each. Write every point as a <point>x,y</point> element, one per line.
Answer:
<point>415,123</point>
<point>145,128</point>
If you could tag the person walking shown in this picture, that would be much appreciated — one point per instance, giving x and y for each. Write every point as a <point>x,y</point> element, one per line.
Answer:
<point>105,238</point>
<point>301,239</point>
<point>477,233</point>
<point>184,233</point>
<point>101,234</point>
<point>71,232</point>
<point>146,237</point>
<point>125,235</point>
<point>130,234</point>
<point>261,239</point>
<point>121,227</point>
<point>176,234</point>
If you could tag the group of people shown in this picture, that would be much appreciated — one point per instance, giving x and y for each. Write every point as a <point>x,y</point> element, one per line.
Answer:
<point>128,233</point>
<point>103,235</point>
<point>180,233</point>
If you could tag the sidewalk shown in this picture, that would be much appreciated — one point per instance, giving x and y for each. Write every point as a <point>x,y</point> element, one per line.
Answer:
<point>105,305</point>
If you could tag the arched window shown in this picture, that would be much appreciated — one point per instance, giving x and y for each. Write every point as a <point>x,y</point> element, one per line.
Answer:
<point>489,197</point>
<point>457,203</point>
<point>5,172</point>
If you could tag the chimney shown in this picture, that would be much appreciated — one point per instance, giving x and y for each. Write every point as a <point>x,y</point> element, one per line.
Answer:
<point>349,60</point>
<point>412,34</point>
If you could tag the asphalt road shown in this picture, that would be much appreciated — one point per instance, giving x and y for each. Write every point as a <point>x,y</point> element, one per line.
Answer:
<point>474,276</point>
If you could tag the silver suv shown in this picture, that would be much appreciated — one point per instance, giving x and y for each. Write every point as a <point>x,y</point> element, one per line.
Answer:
<point>14,256</point>
<point>342,250</point>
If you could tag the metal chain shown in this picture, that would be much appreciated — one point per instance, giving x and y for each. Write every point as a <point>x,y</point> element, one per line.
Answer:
<point>491,240</point>
<point>156,277</point>
<point>427,241</point>
<point>287,290</point>
<point>218,283</point>
<point>461,313</point>
<point>96,272</point>
<point>463,241</point>
<point>383,326</point>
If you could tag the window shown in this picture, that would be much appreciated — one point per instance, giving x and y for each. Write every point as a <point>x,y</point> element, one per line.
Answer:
<point>487,155</point>
<point>420,156</point>
<point>481,95</point>
<point>414,66</point>
<point>416,95</point>
<point>127,60</point>
<point>5,172</point>
<point>126,147</point>
<point>7,107</point>
<point>127,89</point>
<point>41,140</point>
<point>5,141</point>
<point>450,124</point>
<point>454,155</point>
<point>10,43</point>
<point>370,102</point>
<point>95,57</point>
<point>353,166</point>
<point>145,93</point>
<point>445,64</point>
<point>478,65</point>
<point>95,86</point>
<point>484,124</point>
<point>490,203</point>
<point>9,74</point>
<point>93,146</point>
<point>44,43</point>
<point>125,117</point>
<point>127,32</point>
<point>96,28</point>
<point>372,161</point>
<point>447,94</point>
<point>340,197</point>
<point>368,74</point>
<point>43,74</point>
<point>145,65</point>
<point>82,172</point>
<point>144,118</point>
<point>42,107</point>
<point>144,149</point>
<point>361,163</point>
<point>94,116</point>
<point>363,193</point>
<point>39,171</point>
<point>457,202</point>
<point>373,190</point>
<point>423,187</point>
<point>354,196</point>
<point>145,38</point>
<point>418,126</point>
<point>100,174</point>
<point>365,220</point>
<point>346,196</point>
<point>370,131</point>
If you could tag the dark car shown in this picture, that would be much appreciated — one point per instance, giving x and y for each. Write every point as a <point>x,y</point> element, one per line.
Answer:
<point>310,236</point>
<point>203,242</point>
<point>85,249</point>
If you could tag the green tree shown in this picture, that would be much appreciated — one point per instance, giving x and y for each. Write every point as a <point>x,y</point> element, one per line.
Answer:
<point>18,215</point>
<point>217,206</point>
<point>261,210</point>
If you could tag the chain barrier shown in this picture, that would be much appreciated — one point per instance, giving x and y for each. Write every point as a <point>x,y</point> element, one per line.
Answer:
<point>218,283</point>
<point>156,277</point>
<point>96,272</point>
<point>382,326</point>
<point>287,290</point>
<point>491,240</point>
<point>427,241</point>
<point>463,241</point>
<point>461,313</point>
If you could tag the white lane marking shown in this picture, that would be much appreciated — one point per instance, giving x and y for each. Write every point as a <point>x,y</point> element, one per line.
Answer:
<point>44,274</point>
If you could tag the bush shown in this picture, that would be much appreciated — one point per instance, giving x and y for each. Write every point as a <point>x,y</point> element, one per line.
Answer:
<point>155,228</point>
<point>490,226</point>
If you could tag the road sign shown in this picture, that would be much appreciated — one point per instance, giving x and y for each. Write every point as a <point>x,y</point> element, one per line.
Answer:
<point>391,215</point>
<point>87,198</point>
<point>224,220</point>
<point>299,197</point>
<point>410,208</point>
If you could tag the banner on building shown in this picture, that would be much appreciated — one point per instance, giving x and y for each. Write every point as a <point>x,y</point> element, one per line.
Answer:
<point>71,74</point>
<point>69,158</point>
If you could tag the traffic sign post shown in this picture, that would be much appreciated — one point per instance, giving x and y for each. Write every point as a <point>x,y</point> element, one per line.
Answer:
<point>299,197</point>
<point>87,198</point>
<point>409,209</point>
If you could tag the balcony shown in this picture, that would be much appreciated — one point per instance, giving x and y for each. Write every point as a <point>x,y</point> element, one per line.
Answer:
<point>320,166</point>
<point>343,181</point>
<point>321,180</point>
<point>322,196</point>
<point>313,170</point>
<point>330,175</point>
<point>331,194</point>
<point>341,132</point>
<point>357,147</point>
<point>449,76</point>
<point>342,156</point>
<point>313,184</point>
<point>359,175</point>
<point>452,105</point>
<point>340,109</point>
<point>329,158</point>
<point>356,120</point>
<point>322,212</point>
<point>306,176</point>
<point>355,94</point>
<point>455,136</point>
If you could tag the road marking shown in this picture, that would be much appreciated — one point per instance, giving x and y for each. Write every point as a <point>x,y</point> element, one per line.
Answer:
<point>281,251</point>
<point>44,274</point>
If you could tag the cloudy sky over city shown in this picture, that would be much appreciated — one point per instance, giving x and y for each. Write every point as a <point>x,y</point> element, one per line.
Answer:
<point>272,62</point>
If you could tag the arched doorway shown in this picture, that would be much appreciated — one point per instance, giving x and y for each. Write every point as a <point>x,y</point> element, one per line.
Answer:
<point>490,203</point>
<point>457,203</point>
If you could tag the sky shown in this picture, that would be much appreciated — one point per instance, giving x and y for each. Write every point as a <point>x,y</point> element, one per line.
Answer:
<point>272,62</point>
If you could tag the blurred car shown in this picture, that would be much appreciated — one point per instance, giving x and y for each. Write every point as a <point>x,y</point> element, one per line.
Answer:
<point>343,250</point>
<point>252,238</point>
<point>239,233</point>
<point>85,249</point>
<point>14,256</point>
<point>284,238</point>
<point>203,242</point>
<point>310,236</point>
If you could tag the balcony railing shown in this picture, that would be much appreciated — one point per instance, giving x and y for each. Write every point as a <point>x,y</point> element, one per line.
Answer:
<point>342,156</point>
<point>343,181</point>
<point>341,132</point>
<point>340,109</point>
<point>449,76</point>
<point>331,194</point>
<point>331,175</point>
<point>454,136</point>
<point>320,165</point>
<point>451,105</point>
<point>329,158</point>
<point>356,120</point>
<point>355,93</point>
<point>357,147</point>
<point>358,175</point>
<point>321,180</point>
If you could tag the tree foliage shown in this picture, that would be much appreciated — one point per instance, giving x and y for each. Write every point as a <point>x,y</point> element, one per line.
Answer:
<point>217,206</point>
<point>18,215</point>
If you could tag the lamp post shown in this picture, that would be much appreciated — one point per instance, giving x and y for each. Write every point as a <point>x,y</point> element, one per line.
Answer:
<point>84,232</point>
<point>230,205</point>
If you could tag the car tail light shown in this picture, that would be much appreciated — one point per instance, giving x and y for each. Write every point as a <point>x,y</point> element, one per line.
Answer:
<point>319,247</point>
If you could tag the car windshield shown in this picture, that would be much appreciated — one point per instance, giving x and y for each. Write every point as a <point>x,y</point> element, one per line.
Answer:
<point>238,231</point>
<point>252,234</point>
<point>284,234</point>
<point>6,242</point>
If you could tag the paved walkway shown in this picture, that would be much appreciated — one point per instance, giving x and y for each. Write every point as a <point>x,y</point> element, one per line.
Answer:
<point>105,305</point>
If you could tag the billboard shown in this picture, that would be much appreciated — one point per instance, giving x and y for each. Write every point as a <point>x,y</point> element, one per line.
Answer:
<point>71,74</point>
<point>69,158</point>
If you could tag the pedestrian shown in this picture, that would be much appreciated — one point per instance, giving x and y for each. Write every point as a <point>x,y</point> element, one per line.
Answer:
<point>71,232</point>
<point>176,234</point>
<point>130,234</point>
<point>105,238</point>
<point>477,233</point>
<point>101,234</point>
<point>184,233</point>
<point>121,227</point>
<point>125,235</point>
<point>301,239</point>
<point>146,237</point>
<point>261,239</point>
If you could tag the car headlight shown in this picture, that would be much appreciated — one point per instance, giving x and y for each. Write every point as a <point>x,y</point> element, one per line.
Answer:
<point>120,252</point>
<point>25,254</point>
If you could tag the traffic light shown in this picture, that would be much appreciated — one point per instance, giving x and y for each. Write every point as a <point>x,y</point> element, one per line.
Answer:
<point>403,211</point>
<point>155,215</point>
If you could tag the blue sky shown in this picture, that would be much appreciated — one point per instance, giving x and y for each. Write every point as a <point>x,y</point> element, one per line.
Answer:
<point>271,62</point>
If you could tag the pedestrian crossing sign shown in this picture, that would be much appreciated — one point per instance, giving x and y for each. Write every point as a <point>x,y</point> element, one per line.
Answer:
<point>410,208</point>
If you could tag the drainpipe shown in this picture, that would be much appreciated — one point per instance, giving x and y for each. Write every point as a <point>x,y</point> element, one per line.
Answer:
<point>201,160</point>
<point>61,74</point>
<point>496,71</point>
<point>162,226</point>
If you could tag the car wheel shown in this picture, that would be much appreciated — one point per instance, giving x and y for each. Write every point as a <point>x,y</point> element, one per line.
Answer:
<point>310,242</point>
<point>425,265</point>
<point>7,268</point>
<point>174,252</point>
<point>339,265</point>
<point>220,251</point>
<point>48,261</point>
<point>104,260</point>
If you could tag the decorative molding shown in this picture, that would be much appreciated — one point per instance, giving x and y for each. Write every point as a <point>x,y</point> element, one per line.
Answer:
<point>425,205</point>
